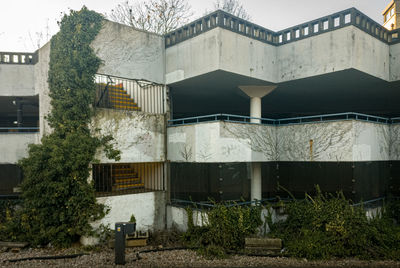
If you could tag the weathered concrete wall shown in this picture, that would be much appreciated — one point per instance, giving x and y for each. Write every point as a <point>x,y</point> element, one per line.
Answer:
<point>394,142</point>
<point>371,141</point>
<point>130,53</point>
<point>148,209</point>
<point>338,50</point>
<point>330,142</point>
<point>14,147</point>
<point>242,55</point>
<point>221,142</point>
<point>334,51</point>
<point>138,135</point>
<point>17,80</point>
<point>395,62</point>
<point>195,56</point>
<point>322,141</point>
<point>42,87</point>
<point>177,218</point>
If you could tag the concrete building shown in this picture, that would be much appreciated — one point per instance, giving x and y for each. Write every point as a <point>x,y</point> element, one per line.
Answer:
<point>391,15</point>
<point>225,109</point>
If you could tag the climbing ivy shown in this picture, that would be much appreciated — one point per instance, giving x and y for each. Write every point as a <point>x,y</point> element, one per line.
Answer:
<point>58,201</point>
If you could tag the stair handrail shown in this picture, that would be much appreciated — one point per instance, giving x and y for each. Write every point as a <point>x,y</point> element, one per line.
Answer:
<point>105,90</point>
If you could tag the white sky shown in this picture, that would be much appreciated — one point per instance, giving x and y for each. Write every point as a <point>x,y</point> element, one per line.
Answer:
<point>22,20</point>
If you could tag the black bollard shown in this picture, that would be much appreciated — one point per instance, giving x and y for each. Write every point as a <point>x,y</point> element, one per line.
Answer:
<point>121,230</point>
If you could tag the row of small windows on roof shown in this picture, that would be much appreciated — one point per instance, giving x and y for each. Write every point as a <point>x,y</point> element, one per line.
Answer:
<point>315,27</point>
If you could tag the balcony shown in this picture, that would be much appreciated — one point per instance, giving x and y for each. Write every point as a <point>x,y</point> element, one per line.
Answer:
<point>223,138</point>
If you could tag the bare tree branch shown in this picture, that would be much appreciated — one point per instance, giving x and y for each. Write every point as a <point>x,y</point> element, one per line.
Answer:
<point>158,16</point>
<point>233,7</point>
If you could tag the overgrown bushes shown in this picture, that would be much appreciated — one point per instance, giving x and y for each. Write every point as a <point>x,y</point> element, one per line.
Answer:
<point>327,226</point>
<point>224,228</point>
<point>324,226</point>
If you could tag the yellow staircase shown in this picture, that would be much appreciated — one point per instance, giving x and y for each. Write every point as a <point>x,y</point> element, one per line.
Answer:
<point>124,177</point>
<point>119,99</point>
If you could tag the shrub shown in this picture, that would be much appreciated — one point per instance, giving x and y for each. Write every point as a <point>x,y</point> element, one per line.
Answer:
<point>225,229</point>
<point>327,226</point>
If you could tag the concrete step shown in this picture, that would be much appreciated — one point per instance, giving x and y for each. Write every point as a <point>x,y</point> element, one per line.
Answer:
<point>263,243</point>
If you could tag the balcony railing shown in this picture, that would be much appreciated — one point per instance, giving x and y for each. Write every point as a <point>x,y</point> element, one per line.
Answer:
<point>18,130</point>
<point>128,178</point>
<point>18,58</point>
<point>130,94</point>
<point>322,25</point>
<point>285,121</point>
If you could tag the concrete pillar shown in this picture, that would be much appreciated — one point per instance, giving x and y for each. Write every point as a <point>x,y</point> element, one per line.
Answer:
<point>256,93</point>
<point>19,112</point>
<point>255,109</point>
<point>256,185</point>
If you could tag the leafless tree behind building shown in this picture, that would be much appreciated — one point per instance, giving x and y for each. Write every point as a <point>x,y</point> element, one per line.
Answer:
<point>233,7</point>
<point>158,16</point>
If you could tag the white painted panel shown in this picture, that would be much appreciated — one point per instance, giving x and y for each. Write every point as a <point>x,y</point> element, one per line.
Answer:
<point>14,147</point>
<point>138,135</point>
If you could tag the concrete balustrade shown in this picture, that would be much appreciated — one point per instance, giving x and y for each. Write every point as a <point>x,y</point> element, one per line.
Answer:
<point>18,58</point>
<point>322,25</point>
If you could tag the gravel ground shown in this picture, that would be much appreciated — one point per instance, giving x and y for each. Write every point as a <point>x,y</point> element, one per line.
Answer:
<point>104,257</point>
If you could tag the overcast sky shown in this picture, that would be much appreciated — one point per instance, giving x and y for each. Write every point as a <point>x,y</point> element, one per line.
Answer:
<point>22,20</point>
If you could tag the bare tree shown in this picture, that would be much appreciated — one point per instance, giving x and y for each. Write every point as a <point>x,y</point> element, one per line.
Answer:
<point>233,7</point>
<point>40,38</point>
<point>158,16</point>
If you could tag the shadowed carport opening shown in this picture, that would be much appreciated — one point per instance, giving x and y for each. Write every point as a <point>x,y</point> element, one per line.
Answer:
<point>343,91</point>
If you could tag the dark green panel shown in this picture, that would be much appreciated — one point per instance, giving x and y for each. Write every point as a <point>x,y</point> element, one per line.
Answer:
<point>10,177</point>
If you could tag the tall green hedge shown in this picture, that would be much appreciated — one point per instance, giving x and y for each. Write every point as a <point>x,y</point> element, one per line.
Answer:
<point>58,201</point>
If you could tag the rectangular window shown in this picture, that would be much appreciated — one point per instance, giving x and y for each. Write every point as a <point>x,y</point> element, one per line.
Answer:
<point>288,36</point>
<point>325,25</point>
<point>347,18</point>
<point>306,30</point>
<point>336,22</point>
<point>297,33</point>
<point>280,38</point>
<point>316,28</point>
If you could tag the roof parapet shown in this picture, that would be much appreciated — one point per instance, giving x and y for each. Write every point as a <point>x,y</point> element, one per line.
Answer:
<point>322,25</point>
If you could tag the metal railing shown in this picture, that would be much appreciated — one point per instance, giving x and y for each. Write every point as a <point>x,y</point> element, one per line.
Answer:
<point>18,130</point>
<point>18,58</point>
<point>285,121</point>
<point>128,178</point>
<point>322,25</point>
<point>146,96</point>
<point>271,201</point>
<point>219,117</point>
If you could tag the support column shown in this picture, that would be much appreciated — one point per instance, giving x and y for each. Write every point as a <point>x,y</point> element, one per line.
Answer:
<point>256,93</point>
<point>19,112</point>
<point>256,185</point>
<point>255,109</point>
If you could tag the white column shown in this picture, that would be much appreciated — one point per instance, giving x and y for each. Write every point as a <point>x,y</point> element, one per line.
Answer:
<point>255,109</point>
<point>256,93</point>
<point>256,185</point>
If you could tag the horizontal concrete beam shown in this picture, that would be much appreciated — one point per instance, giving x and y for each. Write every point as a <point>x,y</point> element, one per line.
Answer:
<point>332,51</point>
<point>338,141</point>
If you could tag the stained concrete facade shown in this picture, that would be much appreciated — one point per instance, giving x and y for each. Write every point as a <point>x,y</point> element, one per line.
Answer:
<point>345,68</point>
<point>324,141</point>
<point>334,51</point>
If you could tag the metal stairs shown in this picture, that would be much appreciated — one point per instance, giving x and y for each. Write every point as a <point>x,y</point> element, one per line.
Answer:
<point>124,177</point>
<point>116,97</point>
